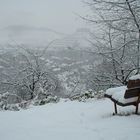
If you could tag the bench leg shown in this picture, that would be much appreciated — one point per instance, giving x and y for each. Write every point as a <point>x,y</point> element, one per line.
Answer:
<point>115,106</point>
<point>137,107</point>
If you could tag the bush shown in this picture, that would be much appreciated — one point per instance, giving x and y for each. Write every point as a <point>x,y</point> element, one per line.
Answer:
<point>88,95</point>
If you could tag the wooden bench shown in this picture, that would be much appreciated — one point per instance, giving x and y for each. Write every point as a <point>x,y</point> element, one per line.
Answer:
<point>126,95</point>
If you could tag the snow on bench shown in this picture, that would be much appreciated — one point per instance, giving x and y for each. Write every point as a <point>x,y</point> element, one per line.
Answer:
<point>126,95</point>
<point>135,77</point>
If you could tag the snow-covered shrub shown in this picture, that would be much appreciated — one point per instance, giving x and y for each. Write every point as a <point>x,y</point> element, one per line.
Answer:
<point>10,98</point>
<point>88,95</point>
<point>82,97</point>
<point>49,99</point>
<point>99,94</point>
<point>43,97</point>
<point>25,104</point>
<point>9,101</point>
<point>5,106</point>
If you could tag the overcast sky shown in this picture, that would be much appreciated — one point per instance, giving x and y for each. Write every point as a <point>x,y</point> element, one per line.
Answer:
<point>55,14</point>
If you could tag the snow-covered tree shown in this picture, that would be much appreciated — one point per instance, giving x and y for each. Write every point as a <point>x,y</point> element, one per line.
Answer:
<point>118,39</point>
<point>24,73</point>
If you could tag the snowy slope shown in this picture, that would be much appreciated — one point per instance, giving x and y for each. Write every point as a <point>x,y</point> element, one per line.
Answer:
<point>70,121</point>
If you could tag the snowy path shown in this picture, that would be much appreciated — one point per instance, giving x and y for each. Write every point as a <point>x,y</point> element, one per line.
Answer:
<point>70,121</point>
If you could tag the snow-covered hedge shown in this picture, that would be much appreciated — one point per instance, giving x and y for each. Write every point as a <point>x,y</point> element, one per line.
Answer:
<point>48,99</point>
<point>87,95</point>
<point>14,103</point>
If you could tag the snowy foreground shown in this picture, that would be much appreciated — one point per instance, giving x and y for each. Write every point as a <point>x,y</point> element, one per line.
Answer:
<point>69,120</point>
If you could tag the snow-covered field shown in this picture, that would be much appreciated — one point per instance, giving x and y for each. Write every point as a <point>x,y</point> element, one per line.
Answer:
<point>69,120</point>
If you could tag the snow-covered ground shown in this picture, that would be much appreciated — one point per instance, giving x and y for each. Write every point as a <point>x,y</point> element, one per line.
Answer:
<point>71,120</point>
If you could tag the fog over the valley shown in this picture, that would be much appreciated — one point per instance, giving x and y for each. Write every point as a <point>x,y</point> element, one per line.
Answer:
<point>39,21</point>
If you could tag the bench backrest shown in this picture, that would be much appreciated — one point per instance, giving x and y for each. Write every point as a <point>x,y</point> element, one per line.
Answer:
<point>133,83</point>
<point>132,92</point>
<point>133,89</point>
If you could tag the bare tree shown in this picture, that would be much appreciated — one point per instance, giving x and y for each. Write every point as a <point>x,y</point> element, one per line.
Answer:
<point>26,74</point>
<point>119,40</point>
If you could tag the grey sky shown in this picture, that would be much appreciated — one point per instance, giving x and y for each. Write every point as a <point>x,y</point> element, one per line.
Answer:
<point>55,14</point>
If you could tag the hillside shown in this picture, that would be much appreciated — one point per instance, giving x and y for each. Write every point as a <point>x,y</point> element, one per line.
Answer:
<point>68,120</point>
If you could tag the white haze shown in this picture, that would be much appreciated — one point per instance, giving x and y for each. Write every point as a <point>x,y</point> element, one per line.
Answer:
<point>39,20</point>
